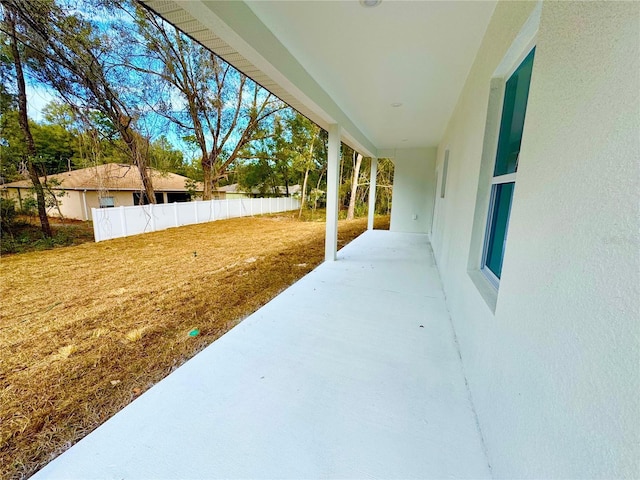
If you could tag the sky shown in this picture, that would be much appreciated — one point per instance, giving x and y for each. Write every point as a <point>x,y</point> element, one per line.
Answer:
<point>37,97</point>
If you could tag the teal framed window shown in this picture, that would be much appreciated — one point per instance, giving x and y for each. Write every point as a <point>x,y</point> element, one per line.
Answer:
<point>514,108</point>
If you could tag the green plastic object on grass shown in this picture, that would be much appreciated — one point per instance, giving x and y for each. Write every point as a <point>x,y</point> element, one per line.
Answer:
<point>194,332</point>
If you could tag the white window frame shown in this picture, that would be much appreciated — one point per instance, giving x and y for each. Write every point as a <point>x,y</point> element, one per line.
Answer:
<point>501,179</point>
<point>493,279</point>
<point>445,171</point>
<point>520,47</point>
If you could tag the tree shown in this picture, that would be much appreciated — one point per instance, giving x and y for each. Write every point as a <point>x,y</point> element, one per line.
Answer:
<point>357,162</point>
<point>75,57</point>
<point>266,164</point>
<point>9,22</point>
<point>305,137</point>
<point>223,110</point>
<point>384,185</point>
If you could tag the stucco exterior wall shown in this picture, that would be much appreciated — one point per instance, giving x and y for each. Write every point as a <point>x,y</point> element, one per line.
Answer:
<point>120,199</point>
<point>413,190</point>
<point>554,372</point>
<point>71,206</point>
<point>72,203</point>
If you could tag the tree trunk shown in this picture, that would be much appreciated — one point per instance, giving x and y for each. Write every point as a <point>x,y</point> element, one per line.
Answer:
<point>139,156</point>
<point>142,162</point>
<point>354,187</point>
<point>315,197</point>
<point>306,173</point>
<point>304,190</point>
<point>208,180</point>
<point>24,125</point>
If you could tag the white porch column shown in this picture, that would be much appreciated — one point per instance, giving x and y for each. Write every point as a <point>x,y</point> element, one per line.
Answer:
<point>372,192</point>
<point>333,165</point>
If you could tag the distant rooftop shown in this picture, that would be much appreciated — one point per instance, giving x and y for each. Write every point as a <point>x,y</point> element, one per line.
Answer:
<point>112,176</point>
<point>236,188</point>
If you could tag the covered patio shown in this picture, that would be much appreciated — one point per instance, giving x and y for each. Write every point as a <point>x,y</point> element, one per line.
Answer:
<point>528,367</point>
<point>353,372</point>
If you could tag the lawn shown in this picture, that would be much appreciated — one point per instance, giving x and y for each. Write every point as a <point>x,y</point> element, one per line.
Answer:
<point>86,329</point>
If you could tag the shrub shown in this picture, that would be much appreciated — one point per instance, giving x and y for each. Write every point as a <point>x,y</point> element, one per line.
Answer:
<point>7,214</point>
<point>29,206</point>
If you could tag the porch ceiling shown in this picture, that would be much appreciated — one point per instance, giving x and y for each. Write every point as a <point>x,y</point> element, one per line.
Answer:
<point>340,62</point>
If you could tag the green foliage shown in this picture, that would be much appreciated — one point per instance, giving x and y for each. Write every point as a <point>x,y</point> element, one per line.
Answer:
<point>7,214</point>
<point>192,188</point>
<point>27,237</point>
<point>164,157</point>
<point>295,146</point>
<point>29,206</point>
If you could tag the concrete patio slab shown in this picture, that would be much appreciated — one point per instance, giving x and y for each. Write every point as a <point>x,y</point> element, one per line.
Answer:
<point>352,372</point>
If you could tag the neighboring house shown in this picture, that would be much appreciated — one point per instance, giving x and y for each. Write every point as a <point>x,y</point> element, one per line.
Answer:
<point>235,191</point>
<point>102,186</point>
<point>230,191</point>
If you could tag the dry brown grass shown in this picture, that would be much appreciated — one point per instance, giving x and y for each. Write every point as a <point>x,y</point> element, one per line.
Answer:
<point>86,329</point>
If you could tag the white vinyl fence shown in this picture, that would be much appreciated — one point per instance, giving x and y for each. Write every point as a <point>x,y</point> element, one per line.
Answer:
<point>125,221</point>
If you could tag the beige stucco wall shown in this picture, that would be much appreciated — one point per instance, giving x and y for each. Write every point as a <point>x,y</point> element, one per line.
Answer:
<point>555,372</point>
<point>232,195</point>
<point>120,199</point>
<point>72,204</point>
<point>413,189</point>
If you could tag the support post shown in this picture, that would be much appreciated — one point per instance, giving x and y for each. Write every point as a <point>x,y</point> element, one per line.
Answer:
<point>333,167</point>
<point>84,203</point>
<point>372,193</point>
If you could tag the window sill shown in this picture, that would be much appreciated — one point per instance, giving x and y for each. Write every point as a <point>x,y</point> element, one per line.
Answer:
<point>488,292</point>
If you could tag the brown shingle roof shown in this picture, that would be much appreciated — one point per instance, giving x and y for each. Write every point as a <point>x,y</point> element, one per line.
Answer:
<point>235,188</point>
<point>112,176</point>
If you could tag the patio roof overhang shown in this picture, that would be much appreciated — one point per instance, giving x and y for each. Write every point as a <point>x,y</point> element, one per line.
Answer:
<point>341,63</point>
<point>383,80</point>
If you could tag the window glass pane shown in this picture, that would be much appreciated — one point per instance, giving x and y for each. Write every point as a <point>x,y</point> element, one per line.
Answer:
<point>503,193</point>
<point>106,202</point>
<point>513,113</point>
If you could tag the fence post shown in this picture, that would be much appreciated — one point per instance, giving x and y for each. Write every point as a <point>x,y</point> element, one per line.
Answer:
<point>123,221</point>
<point>175,213</point>
<point>195,207</point>
<point>251,207</point>
<point>261,208</point>
<point>96,230</point>
<point>228,209</point>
